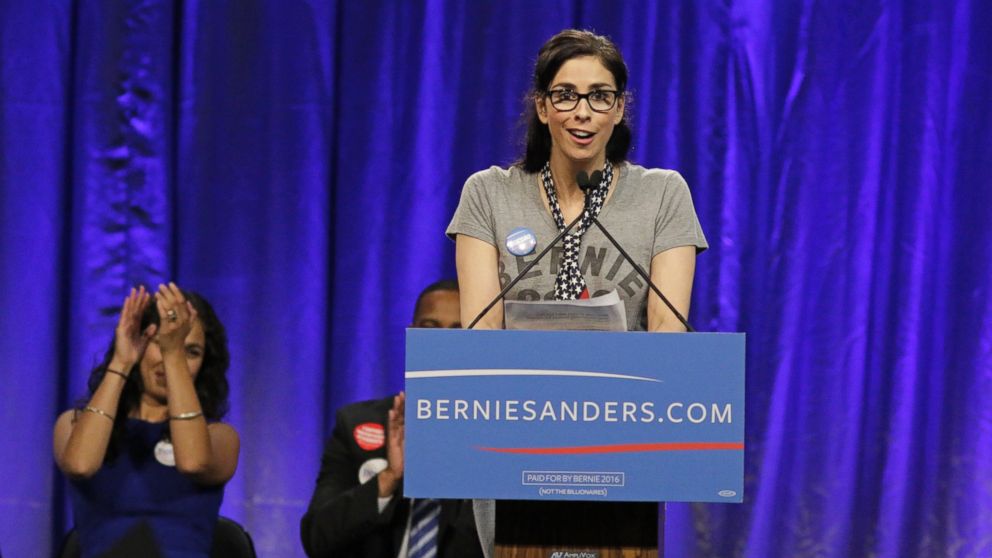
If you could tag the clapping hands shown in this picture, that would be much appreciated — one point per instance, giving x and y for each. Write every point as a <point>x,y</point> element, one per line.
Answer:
<point>129,341</point>
<point>176,317</point>
<point>390,477</point>
<point>176,314</point>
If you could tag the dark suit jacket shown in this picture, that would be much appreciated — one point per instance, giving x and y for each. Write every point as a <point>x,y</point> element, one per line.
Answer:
<point>343,519</point>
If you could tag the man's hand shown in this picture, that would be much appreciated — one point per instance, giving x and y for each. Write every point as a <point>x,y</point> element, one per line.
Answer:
<point>390,477</point>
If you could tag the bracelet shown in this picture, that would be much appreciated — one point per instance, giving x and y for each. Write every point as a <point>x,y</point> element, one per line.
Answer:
<point>187,416</point>
<point>100,412</point>
<point>119,373</point>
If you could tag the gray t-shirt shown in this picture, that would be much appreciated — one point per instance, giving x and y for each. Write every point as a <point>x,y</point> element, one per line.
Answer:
<point>650,212</point>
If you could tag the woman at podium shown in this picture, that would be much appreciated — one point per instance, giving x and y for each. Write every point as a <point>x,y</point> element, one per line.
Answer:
<point>574,171</point>
<point>577,128</point>
<point>146,455</point>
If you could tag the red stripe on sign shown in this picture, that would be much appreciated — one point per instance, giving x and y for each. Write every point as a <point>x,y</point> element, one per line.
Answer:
<point>623,448</point>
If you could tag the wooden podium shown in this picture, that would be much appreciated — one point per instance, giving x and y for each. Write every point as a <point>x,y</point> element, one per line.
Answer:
<point>539,529</point>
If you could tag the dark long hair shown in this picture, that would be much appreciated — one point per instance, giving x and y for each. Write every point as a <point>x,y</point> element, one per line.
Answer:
<point>561,48</point>
<point>210,384</point>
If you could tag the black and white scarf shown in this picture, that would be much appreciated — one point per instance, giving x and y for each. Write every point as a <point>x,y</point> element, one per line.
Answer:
<point>569,284</point>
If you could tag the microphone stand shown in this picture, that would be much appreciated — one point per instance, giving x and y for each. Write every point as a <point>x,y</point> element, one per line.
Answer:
<point>640,271</point>
<point>521,275</point>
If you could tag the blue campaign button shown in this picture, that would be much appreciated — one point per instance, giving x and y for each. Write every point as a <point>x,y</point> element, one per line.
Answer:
<point>521,241</point>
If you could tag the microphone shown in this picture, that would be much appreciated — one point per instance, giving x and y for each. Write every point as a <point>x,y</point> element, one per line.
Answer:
<point>587,182</point>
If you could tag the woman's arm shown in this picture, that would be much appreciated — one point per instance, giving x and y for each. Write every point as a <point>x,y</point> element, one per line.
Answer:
<point>81,437</point>
<point>478,281</point>
<point>208,453</point>
<point>672,271</point>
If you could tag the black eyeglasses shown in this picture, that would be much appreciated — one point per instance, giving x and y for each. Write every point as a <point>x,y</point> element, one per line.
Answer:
<point>600,100</point>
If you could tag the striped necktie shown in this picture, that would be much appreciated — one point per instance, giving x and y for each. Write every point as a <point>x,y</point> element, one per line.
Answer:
<point>423,528</point>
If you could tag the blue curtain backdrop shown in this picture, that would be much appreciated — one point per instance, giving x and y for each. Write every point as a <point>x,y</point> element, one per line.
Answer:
<point>297,163</point>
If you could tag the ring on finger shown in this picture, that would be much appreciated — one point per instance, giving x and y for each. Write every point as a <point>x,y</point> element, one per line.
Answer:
<point>171,315</point>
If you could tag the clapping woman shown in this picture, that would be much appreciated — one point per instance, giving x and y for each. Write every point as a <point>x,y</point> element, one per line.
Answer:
<point>146,452</point>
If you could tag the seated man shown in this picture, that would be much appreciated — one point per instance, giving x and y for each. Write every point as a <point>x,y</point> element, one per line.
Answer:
<point>357,509</point>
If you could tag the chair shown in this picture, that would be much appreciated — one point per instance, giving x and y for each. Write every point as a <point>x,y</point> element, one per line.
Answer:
<point>231,540</point>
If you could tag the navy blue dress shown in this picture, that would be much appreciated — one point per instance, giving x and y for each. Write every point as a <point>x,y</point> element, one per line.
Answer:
<point>134,488</point>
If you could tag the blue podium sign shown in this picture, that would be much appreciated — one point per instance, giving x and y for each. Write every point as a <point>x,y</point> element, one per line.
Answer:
<point>574,415</point>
